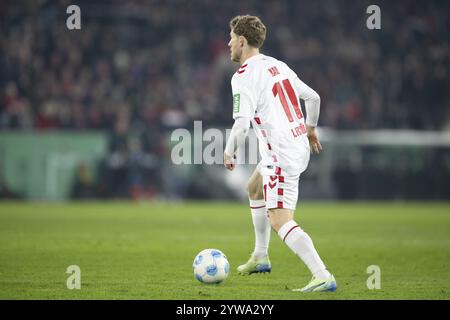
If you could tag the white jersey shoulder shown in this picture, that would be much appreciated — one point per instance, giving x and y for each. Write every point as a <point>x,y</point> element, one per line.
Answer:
<point>244,98</point>
<point>251,79</point>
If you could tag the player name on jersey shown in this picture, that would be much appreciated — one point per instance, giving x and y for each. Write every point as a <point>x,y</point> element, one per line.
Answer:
<point>298,131</point>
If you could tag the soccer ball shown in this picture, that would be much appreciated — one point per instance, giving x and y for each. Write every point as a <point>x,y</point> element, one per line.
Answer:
<point>211,266</point>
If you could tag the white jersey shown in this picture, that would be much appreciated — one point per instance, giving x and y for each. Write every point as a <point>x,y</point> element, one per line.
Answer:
<point>268,91</point>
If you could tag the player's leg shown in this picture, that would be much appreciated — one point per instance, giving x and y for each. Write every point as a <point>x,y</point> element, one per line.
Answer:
<point>258,210</point>
<point>301,244</point>
<point>259,261</point>
<point>282,221</point>
<point>281,199</point>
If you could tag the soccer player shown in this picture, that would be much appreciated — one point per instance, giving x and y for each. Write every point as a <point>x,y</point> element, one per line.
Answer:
<point>266,93</point>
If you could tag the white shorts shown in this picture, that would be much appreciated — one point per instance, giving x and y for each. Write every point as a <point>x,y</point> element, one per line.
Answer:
<point>280,188</point>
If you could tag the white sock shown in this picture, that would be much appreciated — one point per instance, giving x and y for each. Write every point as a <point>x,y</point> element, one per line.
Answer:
<point>261,224</point>
<point>300,242</point>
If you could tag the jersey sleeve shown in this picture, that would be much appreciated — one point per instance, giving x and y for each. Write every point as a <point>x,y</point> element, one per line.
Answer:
<point>244,102</point>
<point>312,102</point>
<point>304,91</point>
<point>309,96</point>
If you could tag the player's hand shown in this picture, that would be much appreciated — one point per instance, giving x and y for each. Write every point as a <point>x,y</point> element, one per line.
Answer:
<point>314,142</point>
<point>229,162</point>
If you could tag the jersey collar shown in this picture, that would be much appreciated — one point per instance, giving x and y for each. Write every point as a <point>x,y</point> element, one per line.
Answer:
<point>259,55</point>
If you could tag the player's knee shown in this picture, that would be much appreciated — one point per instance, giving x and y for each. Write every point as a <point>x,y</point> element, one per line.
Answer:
<point>254,191</point>
<point>275,225</point>
<point>256,195</point>
<point>275,220</point>
<point>278,217</point>
<point>248,187</point>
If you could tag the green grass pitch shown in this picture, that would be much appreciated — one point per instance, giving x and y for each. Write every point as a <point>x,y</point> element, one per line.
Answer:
<point>146,250</point>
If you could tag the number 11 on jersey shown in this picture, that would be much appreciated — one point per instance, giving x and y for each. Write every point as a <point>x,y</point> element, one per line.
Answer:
<point>277,90</point>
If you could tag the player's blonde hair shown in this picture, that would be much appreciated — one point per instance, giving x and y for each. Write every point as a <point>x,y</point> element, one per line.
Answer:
<point>250,27</point>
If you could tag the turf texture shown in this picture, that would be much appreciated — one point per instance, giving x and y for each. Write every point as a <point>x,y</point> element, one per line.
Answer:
<point>145,250</point>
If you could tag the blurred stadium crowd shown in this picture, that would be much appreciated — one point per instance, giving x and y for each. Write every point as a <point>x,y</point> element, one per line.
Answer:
<point>138,69</point>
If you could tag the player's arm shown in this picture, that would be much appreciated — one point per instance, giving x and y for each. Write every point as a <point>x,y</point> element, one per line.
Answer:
<point>312,106</point>
<point>237,137</point>
<point>243,110</point>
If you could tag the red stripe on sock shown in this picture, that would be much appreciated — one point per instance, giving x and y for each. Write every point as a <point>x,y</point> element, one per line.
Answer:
<point>290,232</point>
<point>257,207</point>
